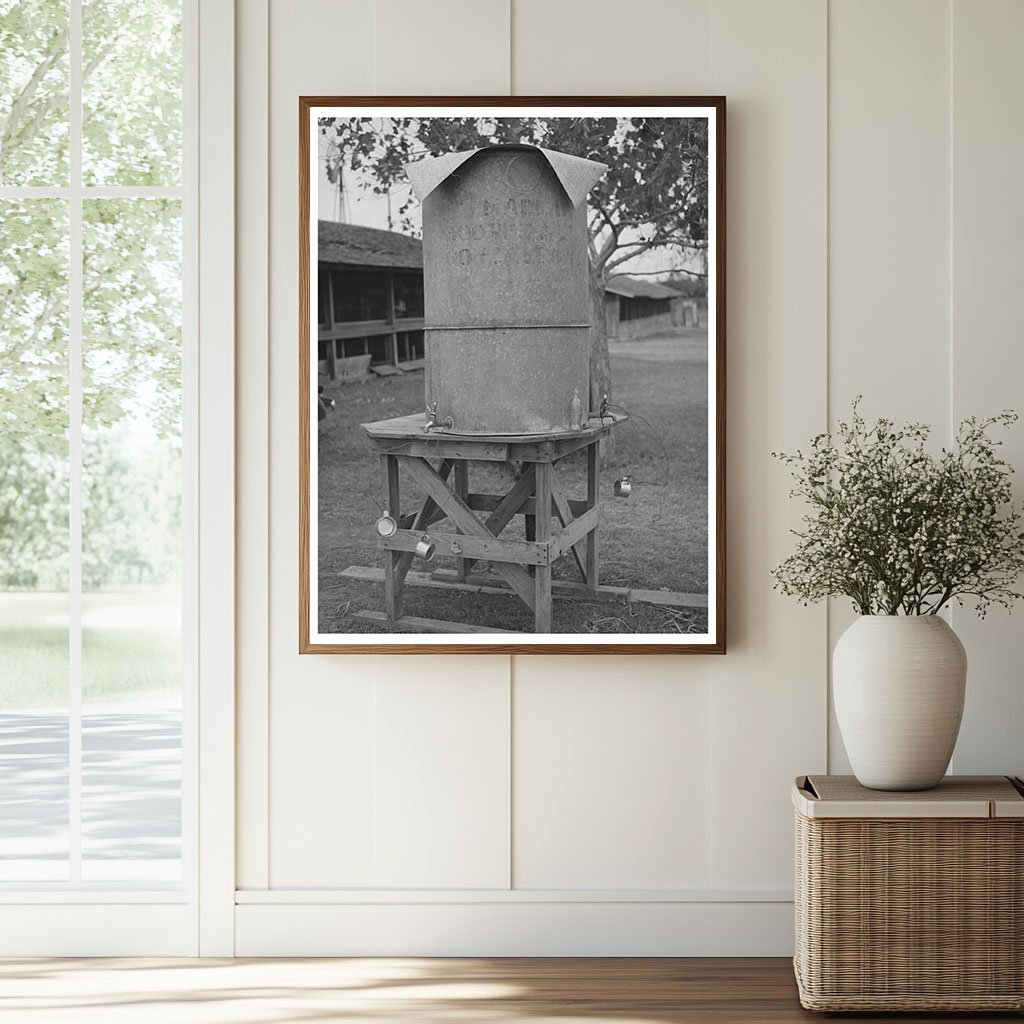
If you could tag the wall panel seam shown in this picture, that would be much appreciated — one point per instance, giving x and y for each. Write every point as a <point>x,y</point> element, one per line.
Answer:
<point>253,453</point>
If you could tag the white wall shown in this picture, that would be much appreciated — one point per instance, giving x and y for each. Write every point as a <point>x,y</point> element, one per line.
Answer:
<point>537,805</point>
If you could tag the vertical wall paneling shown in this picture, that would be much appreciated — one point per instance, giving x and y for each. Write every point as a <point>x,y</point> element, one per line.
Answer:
<point>612,775</point>
<point>216,276</point>
<point>576,47</point>
<point>323,762</point>
<point>987,364</point>
<point>872,249</point>
<point>331,716</point>
<point>252,586</point>
<point>889,250</point>
<point>442,774</point>
<point>620,783</point>
<point>442,48</point>
<point>769,692</point>
<point>321,708</point>
<point>889,214</point>
<point>442,725</point>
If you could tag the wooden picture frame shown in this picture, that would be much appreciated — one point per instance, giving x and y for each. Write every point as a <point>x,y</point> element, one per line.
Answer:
<point>429,450</point>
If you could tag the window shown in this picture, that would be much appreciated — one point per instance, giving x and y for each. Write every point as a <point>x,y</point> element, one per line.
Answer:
<point>323,301</point>
<point>95,470</point>
<point>359,296</point>
<point>408,296</point>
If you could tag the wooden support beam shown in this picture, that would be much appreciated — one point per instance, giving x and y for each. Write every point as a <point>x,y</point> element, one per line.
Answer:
<point>570,535</point>
<point>447,579</point>
<point>542,528</point>
<point>517,577</point>
<point>510,505</point>
<point>391,496</point>
<point>423,518</point>
<point>412,624</point>
<point>345,330</point>
<point>513,502</point>
<point>569,446</point>
<point>440,579</point>
<point>489,502</point>
<point>436,446</point>
<point>393,336</point>
<point>461,545</point>
<point>533,451</point>
<point>565,517</point>
<point>577,591</point>
<point>332,344</point>
<point>591,572</point>
<point>409,518</point>
<point>462,490</point>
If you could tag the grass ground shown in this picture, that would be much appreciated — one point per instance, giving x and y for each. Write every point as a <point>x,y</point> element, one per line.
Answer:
<point>656,539</point>
<point>130,647</point>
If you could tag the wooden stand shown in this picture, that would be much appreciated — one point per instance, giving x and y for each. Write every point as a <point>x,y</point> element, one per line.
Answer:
<point>438,463</point>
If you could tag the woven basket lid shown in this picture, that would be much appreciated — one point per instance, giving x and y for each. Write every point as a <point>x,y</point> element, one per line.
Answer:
<point>957,796</point>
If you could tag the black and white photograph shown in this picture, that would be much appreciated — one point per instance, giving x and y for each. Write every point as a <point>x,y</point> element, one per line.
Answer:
<point>512,375</point>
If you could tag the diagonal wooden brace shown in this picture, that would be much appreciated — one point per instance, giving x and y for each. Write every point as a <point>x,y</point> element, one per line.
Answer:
<point>462,516</point>
<point>565,516</point>
<point>426,515</point>
<point>509,505</point>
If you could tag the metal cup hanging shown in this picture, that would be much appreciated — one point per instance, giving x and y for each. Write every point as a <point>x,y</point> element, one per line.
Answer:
<point>425,549</point>
<point>386,525</point>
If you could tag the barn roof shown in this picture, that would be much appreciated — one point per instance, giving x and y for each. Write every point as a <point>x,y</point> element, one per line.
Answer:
<point>633,288</point>
<point>367,247</point>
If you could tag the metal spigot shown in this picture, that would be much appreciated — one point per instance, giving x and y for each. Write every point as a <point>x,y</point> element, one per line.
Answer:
<point>434,422</point>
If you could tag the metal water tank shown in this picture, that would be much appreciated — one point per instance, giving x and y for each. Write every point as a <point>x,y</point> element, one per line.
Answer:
<point>506,287</point>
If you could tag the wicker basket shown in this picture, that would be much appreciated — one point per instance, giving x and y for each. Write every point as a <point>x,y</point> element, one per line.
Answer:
<point>910,901</point>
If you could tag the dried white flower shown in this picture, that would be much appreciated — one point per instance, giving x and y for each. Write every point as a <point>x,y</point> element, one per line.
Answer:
<point>898,529</point>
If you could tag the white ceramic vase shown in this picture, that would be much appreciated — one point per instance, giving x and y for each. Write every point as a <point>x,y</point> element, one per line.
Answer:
<point>898,684</point>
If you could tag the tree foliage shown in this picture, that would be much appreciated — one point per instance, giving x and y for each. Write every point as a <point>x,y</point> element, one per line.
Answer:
<point>33,92</point>
<point>653,196</point>
<point>131,92</point>
<point>131,281</point>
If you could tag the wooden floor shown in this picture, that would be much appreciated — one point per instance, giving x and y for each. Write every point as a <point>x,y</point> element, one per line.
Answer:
<point>382,991</point>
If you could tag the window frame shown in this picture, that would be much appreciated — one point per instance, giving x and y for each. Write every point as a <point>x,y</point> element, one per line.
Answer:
<point>110,918</point>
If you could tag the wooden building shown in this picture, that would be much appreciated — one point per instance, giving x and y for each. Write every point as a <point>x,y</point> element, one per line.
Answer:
<point>635,308</point>
<point>370,299</point>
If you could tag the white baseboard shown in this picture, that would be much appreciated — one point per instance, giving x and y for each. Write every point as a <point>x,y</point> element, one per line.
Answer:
<point>99,928</point>
<point>513,928</point>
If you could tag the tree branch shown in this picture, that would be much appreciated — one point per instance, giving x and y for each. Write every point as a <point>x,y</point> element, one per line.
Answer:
<point>58,45</point>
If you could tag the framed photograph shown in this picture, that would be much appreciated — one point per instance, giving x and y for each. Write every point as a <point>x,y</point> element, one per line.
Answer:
<point>512,374</point>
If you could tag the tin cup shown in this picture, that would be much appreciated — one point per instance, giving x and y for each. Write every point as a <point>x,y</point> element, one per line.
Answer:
<point>623,487</point>
<point>386,525</point>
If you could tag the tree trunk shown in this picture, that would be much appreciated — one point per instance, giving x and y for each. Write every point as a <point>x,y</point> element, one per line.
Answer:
<point>600,364</point>
<point>600,367</point>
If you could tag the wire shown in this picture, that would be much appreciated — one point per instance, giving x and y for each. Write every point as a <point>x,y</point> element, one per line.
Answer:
<point>648,431</point>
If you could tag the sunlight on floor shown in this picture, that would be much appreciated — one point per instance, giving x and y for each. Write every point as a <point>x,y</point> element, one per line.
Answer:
<point>143,991</point>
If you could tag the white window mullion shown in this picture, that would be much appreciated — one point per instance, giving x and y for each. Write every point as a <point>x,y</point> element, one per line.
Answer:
<point>75,302</point>
<point>34,192</point>
<point>95,191</point>
<point>189,193</point>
